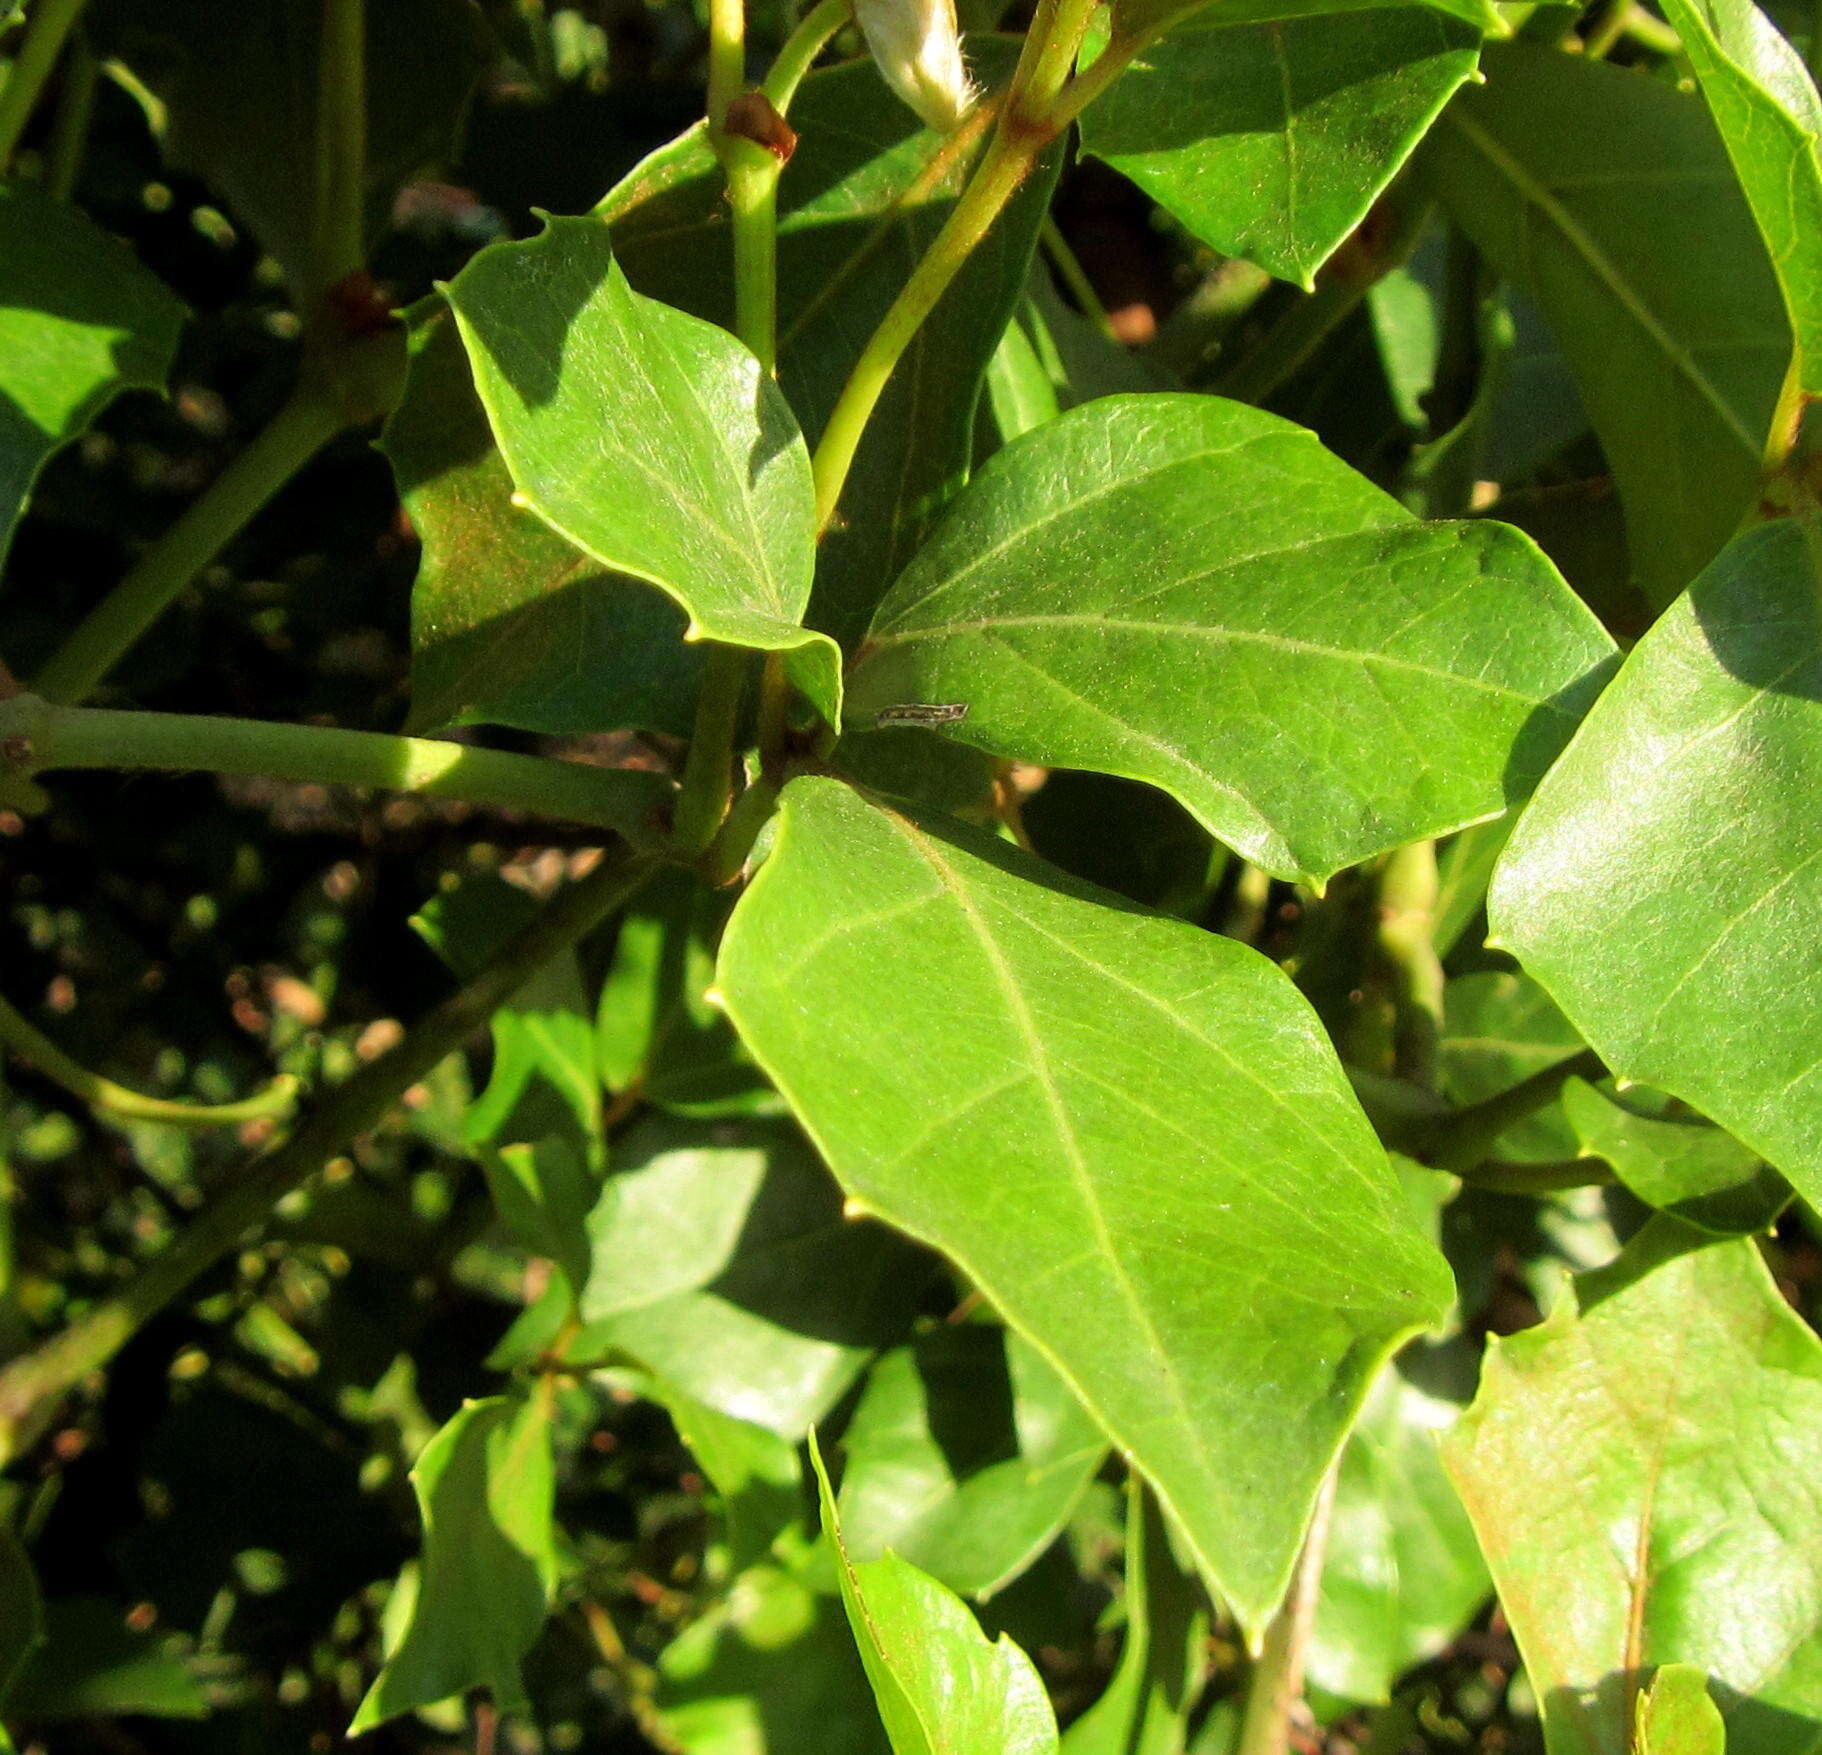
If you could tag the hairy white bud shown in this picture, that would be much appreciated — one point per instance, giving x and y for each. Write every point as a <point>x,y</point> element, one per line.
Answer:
<point>918,49</point>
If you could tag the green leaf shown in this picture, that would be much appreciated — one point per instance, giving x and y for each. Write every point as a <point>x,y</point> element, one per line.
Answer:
<point>966,1456</point>
<point>1651,273</point>
<point>856,212</point>
<point>1677,1716</point>
<point>1642,1470</point>
<point>80,321</point>
<point>1186,591</point>
<point>485,1485</point>
<point>1769,116</point>
<point>754,1470</point>
<point>1145,1706</point>
<point>650,439</point>
<point>21,1611</point>
<point>1402,1573</point>
<point>1093,1151</point>
<point>1663,884</point>
<point>238,81</point>
<point>723,1263</point>
<point>941,1687</point>
<point>1133,18</point>
<point>92,1664</point>
<point>770,1670</point>
<point>1679,1164</point>
<point>1270,141</point>
<point>510,624</point>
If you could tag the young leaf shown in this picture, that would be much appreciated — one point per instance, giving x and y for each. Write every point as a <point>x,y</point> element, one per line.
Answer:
<point>722,1263</point>
<point>238,81</point>
<point>1678,1716</point>
<point>1642,1470</point>
<point>940,1686</point>
<point>1679,1164</point>
<point>1651,274</point>
<point>651,440</point>
<point>1663,882</point>
<point>1144,1708</point>
<point>80,321</point>
<point>1142,1149</point>
<point>511,624</point>
<point>754,1470</point>
<point>485,1485</point>
<point>1769,116</point>
<point>865,192</point>
<point>1270,141</point>
<point>1176,589</point>
<point>1402,1573</point>
<point>966,1456</point>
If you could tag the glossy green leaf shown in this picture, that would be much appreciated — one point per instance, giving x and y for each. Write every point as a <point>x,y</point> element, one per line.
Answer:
<point>237,80</point>
<point>1135,17</point>
<point>1664,882</point>
<point>651,440</point>
<point>80,321</point>
<point>1176,589</point>
<point>754,1470</point>
<point>723,1263</point>
<point>1680,1164</point>
<point>1678,1716</point>
<point>966,1456</point>
<point>1402,1573</point>
<point>485,1486</point>
<point>1650,271</point>
<point>1645,1474</point>
<point>942,1688</point>
<point>856,212</point>
<point>1144,1709</point>
<point>511,624</point>
<point>1142,1150</point>
<point>770,1670</point>
<point>1270,141</point>
<point>1769,115</point>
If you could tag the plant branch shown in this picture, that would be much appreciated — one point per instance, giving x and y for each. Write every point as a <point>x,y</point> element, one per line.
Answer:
<point>1457,1142</point>
<point>1408,891</point>
<point>708,774</point>
<point>296,433</point>
<point>32,1387</point>
<point>70,126</point>
<point>1276,1683</point>
<point>814,32</point>
<point>46,31</point>
<point>39,1052</point>
<point>37,736</point>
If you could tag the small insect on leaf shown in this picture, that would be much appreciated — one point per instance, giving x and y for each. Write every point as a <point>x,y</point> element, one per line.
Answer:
<point>921,713</point>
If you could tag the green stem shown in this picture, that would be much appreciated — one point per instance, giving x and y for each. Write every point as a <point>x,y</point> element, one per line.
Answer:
<point>1069,270</point>
<point>32,1387</point>
<point>752,174</point>
<point>728,852</point>
<point>339,240</point>
<point>1003,167</point>
<point>1504,1177</point>
<point>1034,96</point>
<point>38,736</point>
<point>1408,892</point>
<point>75,108</point>
<point>708,774</point>
<point>296,433</point>
<point>46,31</point>
<point>813,34</point>
<point>727,58</point>
<point>1276,1683</point>
<point>1461,1140</point>
<point>41,1053</point>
